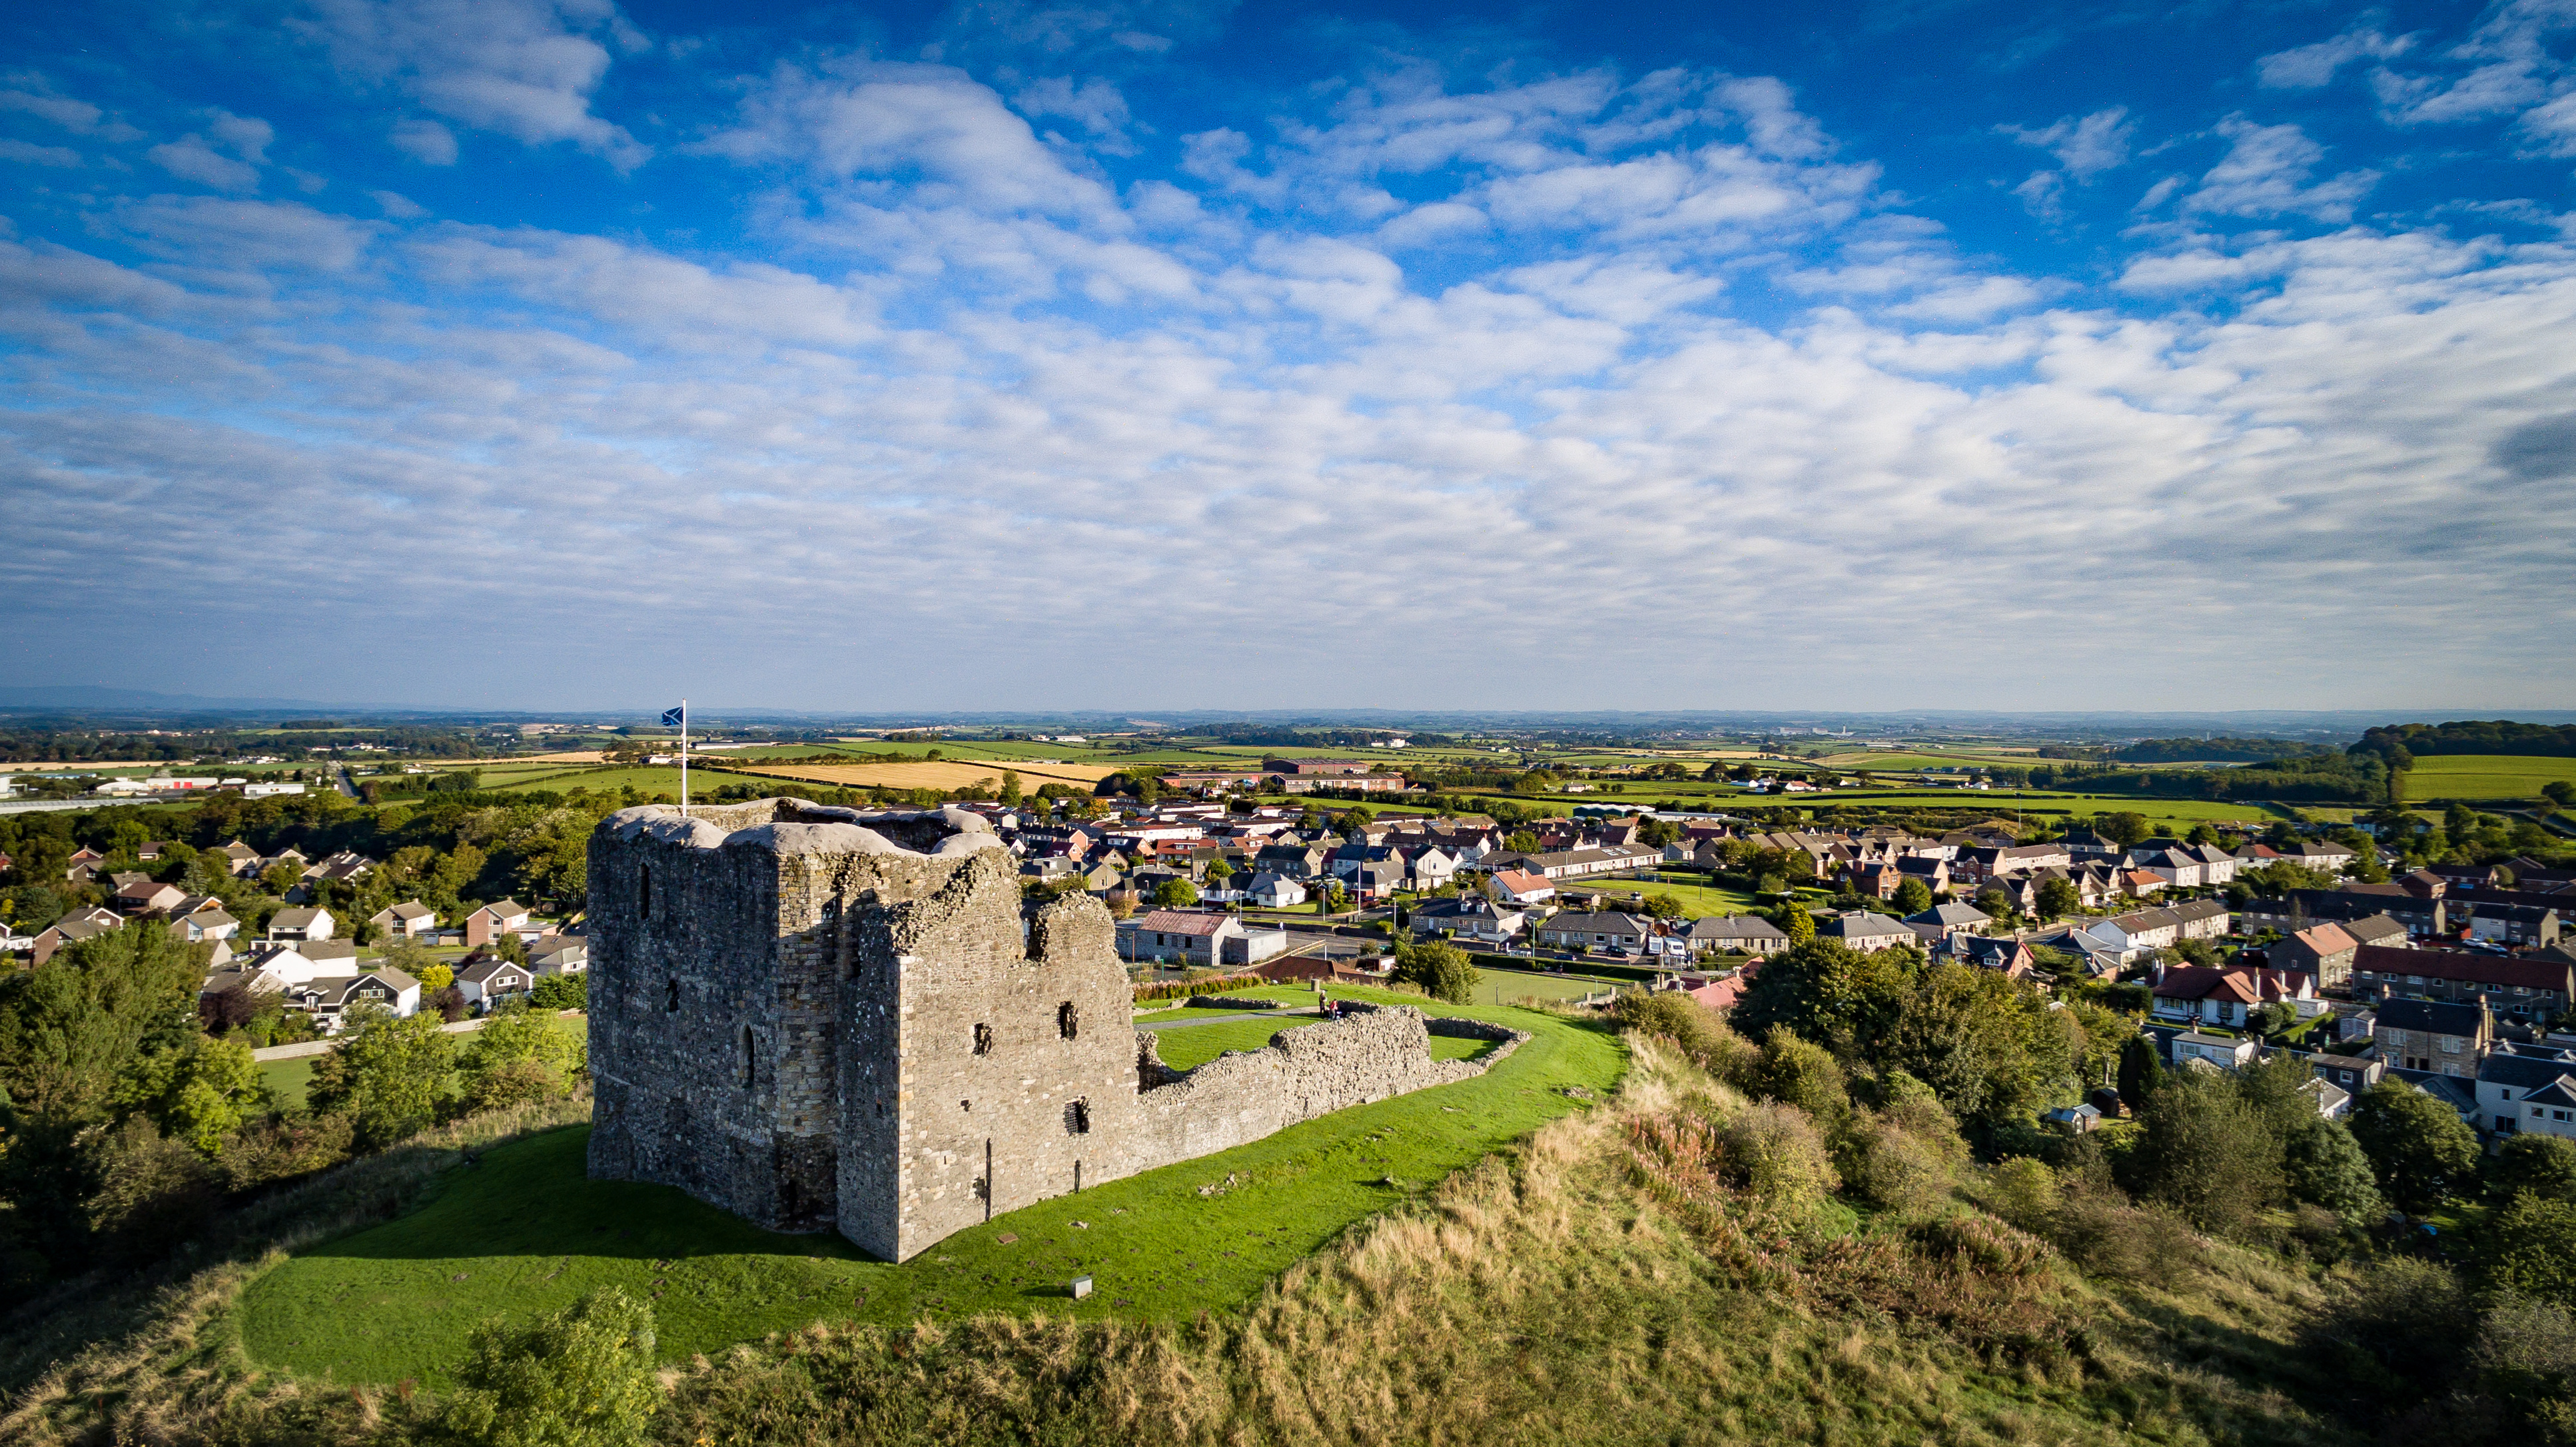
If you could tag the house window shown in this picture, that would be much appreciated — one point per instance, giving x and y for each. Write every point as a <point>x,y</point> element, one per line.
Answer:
<point>983,1039</point>
<point>1065,1023</point>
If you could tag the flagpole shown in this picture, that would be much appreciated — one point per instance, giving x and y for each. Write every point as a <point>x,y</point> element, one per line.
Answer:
<point>684,758</point>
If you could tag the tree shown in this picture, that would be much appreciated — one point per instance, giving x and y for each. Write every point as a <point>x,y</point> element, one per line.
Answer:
<point>388,1078</point>
<point>2560,792</point>
<point>2544,1165</point>
<point>1913,897</point>
<point>579,1377</point>
<point>1175,894</point>
<point>1010,788</point>
<point>435,978</point>
<point>2531,1249</point>
<point>2142,1072</point>
<point>1986,1045</point>
<point>2324,1166</point>
<point>1828,992</point>
<point>518,1056</point>
<point>2125,830</point>
<point>1522,842</point>
<point>1441,969</point>
<point>1797,923</point>
<point>1218,872</point>
<point>199,1093</point>
<point>2057,897</point>
<point>2207,1153</point>
<point>2201,833</point>
<point>2420,1150</point>
<point>1664,906</point>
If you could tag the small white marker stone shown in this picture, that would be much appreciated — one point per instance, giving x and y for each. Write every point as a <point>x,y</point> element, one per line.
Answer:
<point>1081,1287</point>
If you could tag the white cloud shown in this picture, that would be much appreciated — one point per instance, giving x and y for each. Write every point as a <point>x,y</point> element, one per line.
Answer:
<point>425,141</point>
<point>2266,173</point>
<point>2509,65</point>
<point>191,159</point>
<point>29,153</point>
<point>397,205</point>
<point>2306,67</point>
<point>1095,105</point>
<point>2086,147</point>
<point>526,69</point>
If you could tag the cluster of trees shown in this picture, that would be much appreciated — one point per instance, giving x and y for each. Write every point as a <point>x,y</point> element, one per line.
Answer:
<point>2397,744</point>
<point>124,1124</point>
<point>2215,750</point>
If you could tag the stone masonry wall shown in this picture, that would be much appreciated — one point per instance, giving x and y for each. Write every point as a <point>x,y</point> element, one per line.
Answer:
<point>815,1017</point>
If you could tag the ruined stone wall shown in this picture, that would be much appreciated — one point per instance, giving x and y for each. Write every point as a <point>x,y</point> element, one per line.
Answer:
<point>1305,1072</point>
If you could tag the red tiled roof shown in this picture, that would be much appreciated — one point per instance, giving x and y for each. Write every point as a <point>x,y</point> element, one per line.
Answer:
<point>1175,922</point>
<point>2530,972</point>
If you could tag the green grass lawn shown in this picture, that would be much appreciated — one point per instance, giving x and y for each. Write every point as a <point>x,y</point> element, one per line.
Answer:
<point>525,1231</point>
<point>2483,776</point>
<point>1699,898</point>
<point>286,1079</point>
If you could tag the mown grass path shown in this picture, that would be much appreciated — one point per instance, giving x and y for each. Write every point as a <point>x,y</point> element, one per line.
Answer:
<point>525,1231</point>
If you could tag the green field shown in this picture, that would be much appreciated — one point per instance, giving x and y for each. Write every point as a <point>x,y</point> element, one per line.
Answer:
<point>1699,900</point>
<point>1192,1046</point>
<point>286,1079</point>
<point>524,1230</point>
<point>2483,776</point>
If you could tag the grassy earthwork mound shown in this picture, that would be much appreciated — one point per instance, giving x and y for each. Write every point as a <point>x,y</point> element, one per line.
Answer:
<point>523,1230</point>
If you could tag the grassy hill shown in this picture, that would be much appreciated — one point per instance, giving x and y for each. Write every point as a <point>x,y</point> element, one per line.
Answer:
<point>525,1230</point>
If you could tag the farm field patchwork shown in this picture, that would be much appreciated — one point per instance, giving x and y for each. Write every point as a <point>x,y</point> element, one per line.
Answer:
<point>2484,776</point>
<point>525,1231</point>
<point>940,774</point>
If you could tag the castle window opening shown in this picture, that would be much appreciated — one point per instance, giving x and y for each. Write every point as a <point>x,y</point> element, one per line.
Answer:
<point>966,1105</point>
<point>1065,1023</point>
<point>750,1057</point>
<point>1077,1118</point>
<point>983,1039</point>
<point>672,1003</point>
<point>644,892</point>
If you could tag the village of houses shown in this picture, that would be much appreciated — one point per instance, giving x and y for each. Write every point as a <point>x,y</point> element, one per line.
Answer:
<point>2444,978</point>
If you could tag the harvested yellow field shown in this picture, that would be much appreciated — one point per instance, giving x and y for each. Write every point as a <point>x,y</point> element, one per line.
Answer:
<point>568,756</point>
<point>941,774</point>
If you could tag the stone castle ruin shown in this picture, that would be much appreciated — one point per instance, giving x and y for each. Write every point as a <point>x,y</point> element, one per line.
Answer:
<point>819,1017</point>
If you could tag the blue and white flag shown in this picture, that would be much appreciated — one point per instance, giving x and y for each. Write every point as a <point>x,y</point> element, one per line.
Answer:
<point>676,717</point>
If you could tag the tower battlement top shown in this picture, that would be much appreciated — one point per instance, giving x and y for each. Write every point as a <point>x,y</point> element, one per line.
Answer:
<point>796,826</point>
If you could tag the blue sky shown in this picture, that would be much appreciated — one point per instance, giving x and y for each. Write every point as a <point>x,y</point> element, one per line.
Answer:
<point>562,355</point>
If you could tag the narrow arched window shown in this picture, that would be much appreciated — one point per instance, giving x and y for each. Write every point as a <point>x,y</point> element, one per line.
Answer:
<point>1077,1118</point>
<point>644,892</point>
<point>983,1039</point>
<point>1065,1024</point>
<point>750,1057</point>
<point>672,1002</point>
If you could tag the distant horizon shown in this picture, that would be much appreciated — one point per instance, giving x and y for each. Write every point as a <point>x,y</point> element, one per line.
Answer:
<point>1382,716</point>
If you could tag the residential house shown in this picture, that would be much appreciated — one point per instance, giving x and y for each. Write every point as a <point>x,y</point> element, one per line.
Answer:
<point>329,998</point>
<point>1626,933</point>
<point>204,924</point>
<point>2296,910</point>
<point>2535,987</point>
<point>1429,868</point>
<point>2210,995</point>
<point>2380,931</point>
<point>71,929</point>
<point>84,865</point>
<point>2352,1074</point>
<point>406,921</point>
<point>146,896</point>
<point>1934,874</point>
<point>1276,891</point>
<point>347,864</point>
<point>1192,937</point>
<point>1298,860</point>
<point>1735,934</point>
<point>2514,925</point>
<point>1948,920</point>
<point>560,955</point>
<point>1377,880</point>
<point>2140,883</point>
<point>306,923</point>
<point>2223,1052</point>
<point>2083,844</point>
<point>2009,957</point>
<point>1876,881</point>
<point>2434,1036</point>
<point>486,980</point>
<point>238,857</point>
<point>1977,865</point>
<point>2511,1074</point>
<point>2177,868</point>
<point>1471,915</point>
<point>1521,886</point>
<point>495,920</point>
<point>2322,950</point>
<point>1866,932</point>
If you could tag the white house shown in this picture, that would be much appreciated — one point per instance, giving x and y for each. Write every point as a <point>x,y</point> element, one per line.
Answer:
<point>301,924</point>
<point>1276,891</point>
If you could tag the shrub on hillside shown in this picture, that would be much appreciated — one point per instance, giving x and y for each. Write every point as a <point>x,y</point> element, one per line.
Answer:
<point>154,1191</point>
<point>1774,1152</point>
<point>579,1377</point>
<point>1804,1075</point>
<point>1700,1032</point>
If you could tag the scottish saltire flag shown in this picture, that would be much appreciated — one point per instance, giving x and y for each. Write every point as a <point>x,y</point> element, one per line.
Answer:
<point>675,717</point>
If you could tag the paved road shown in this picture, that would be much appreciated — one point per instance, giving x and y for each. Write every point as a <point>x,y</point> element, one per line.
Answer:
<point>340,772</point>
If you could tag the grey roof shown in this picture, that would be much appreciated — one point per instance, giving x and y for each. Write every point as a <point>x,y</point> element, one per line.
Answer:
<point>1951,916</point>
<point>2526,1066</point>
<point>1606,923</point>
<point>2459,1094</point>
<point>299,918</point>
<point>1736,927</point>
<point>2437,1017</point>
<point>1863,925</point>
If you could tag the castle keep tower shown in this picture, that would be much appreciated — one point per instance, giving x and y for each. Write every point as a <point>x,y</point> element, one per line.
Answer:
<point>818,1017</point>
